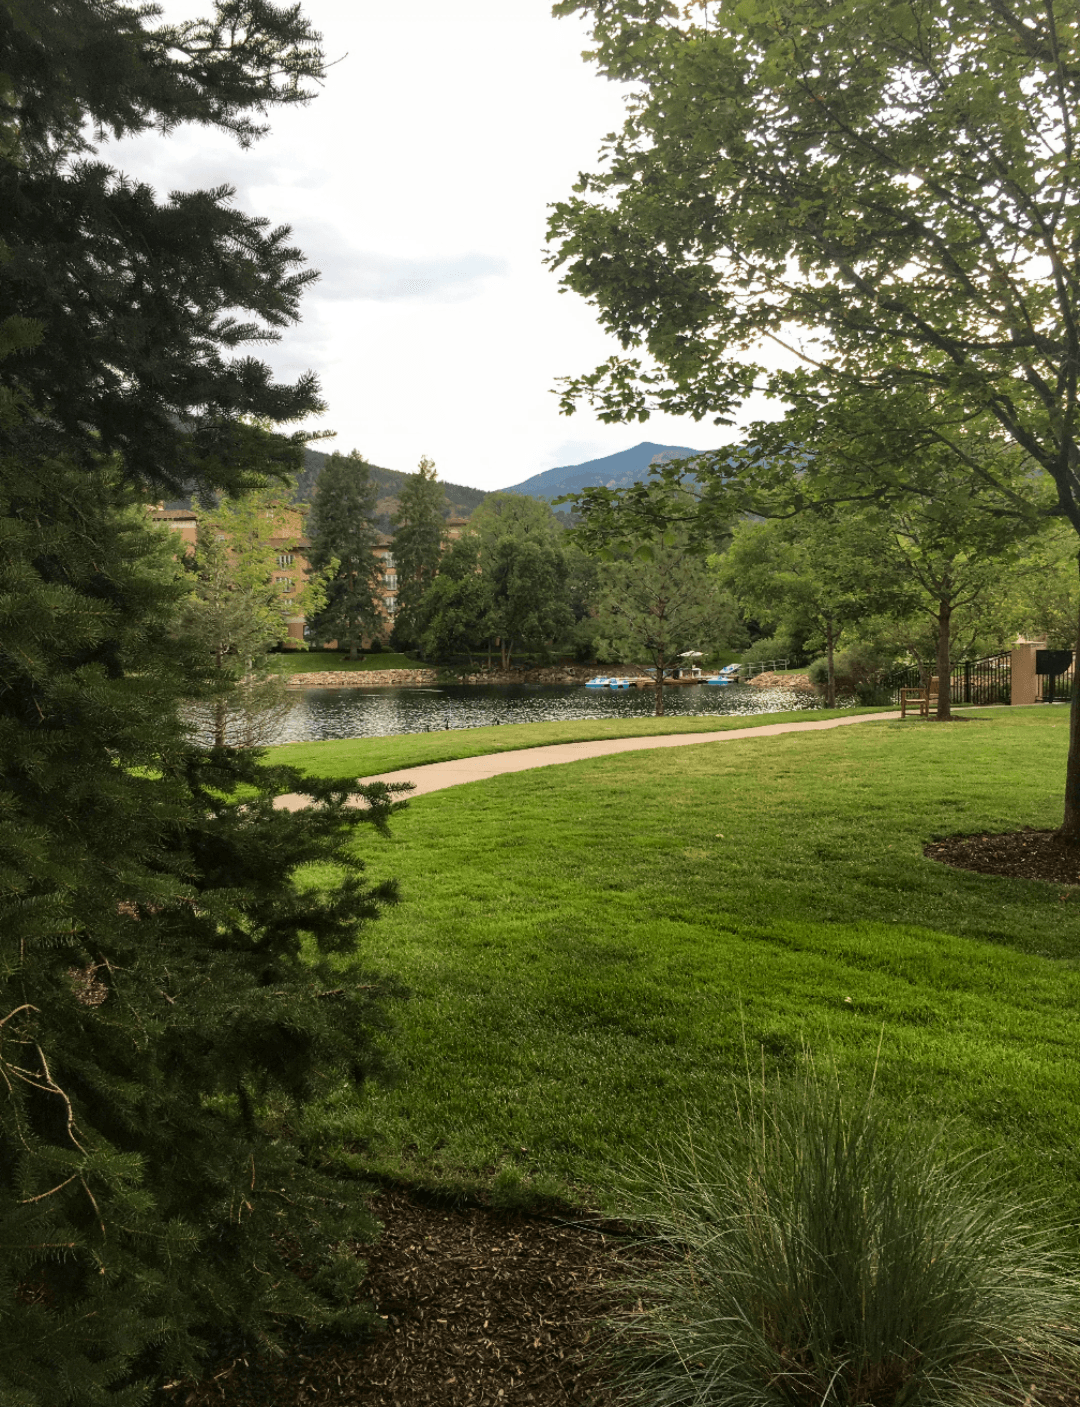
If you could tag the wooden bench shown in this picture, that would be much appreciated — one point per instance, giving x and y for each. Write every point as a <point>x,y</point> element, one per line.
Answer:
<point>924,697</point>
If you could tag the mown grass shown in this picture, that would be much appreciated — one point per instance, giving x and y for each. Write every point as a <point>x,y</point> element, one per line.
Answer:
<point>314,661</point>
<point>367,757</point>
<point>594,950</point>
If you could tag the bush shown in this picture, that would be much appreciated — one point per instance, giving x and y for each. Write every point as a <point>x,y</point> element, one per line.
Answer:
<point>807,1259</point>
<point>859,671</point>
<point>769,648</point>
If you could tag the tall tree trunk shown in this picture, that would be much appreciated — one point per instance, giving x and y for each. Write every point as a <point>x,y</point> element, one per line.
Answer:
<point>830,646</point>
<point>944,661</point>
<point>1070,825</point>
<point>352,648</point>
<point>659,687</point>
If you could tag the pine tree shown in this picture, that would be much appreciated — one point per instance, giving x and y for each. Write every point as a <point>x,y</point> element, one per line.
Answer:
<point>343,538</point>
<point>161,1026</point>
<point>418,525</point>
<point>170,998</point>
<point>135,311</point>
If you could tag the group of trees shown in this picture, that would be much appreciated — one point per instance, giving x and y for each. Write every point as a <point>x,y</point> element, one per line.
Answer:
<point>170,997</point>
<point>516,580</point>
<point>346,589</point>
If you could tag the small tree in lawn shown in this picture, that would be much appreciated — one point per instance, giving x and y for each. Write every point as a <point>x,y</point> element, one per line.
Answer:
<point>237,613</point>
<point>343,537</point>
<point>953,565</point>
<point>419,525</point>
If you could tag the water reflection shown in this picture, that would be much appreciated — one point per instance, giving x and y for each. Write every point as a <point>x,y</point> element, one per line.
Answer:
<point>367,713</point>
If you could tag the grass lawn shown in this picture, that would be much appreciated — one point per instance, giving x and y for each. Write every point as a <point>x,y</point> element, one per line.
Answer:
<point>312,661</point>
<point>366,757</point>
<point>592,951</point>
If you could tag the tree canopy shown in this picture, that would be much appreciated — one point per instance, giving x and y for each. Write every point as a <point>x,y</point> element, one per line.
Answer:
<point>884,195</point>
<point>887,192</point>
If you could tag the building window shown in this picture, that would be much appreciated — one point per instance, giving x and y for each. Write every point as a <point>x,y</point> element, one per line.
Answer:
<point>388,562</point>
<point>390,581</point>
<point>285,559</point>
<point>284,583</point>
<point>391,605</point>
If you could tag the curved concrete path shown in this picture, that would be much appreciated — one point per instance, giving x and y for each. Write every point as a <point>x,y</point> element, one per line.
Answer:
<point>437,776</point>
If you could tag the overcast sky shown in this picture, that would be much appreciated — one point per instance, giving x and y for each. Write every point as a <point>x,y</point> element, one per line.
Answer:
<point>418,182</point>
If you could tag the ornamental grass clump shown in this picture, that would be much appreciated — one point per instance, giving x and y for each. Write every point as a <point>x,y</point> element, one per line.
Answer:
<point>803,1256</point>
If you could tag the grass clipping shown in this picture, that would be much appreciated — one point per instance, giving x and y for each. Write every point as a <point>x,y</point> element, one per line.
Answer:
<point>802,1256</point>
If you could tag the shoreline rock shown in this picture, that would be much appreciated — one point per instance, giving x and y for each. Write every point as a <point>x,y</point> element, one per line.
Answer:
<point>769,680</point>
<point>569,674</point>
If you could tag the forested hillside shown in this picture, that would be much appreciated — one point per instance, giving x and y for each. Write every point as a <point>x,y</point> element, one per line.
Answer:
<point>460,500</point>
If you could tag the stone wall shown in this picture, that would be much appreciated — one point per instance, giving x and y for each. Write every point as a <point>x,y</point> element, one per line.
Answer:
<point>363,678</point>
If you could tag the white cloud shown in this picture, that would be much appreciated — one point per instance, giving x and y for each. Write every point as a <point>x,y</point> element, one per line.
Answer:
<point>418,184</point>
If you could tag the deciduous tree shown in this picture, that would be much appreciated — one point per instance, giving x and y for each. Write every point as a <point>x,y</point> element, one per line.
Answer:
<point>888,193</point>
<point>822,575</point>
<point>523,564</point>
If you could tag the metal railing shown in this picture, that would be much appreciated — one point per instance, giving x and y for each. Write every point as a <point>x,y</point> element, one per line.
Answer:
<point>982,681</point>
<point>747,671</point>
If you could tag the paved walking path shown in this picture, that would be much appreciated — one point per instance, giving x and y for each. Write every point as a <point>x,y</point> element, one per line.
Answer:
<point>437,776</point>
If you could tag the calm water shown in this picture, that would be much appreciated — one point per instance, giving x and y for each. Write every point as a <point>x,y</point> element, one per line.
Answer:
<point>369,713</point>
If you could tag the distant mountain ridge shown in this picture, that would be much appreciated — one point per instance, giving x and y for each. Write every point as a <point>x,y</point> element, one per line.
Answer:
<point>618,471</point>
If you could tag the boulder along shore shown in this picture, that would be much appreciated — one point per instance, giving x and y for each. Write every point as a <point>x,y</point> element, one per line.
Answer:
<point>566,674</point>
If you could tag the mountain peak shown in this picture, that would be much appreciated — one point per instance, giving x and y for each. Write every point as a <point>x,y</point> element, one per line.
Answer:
<point>613,471</point>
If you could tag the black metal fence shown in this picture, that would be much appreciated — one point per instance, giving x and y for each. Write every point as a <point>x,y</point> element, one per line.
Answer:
<point>983,681</point>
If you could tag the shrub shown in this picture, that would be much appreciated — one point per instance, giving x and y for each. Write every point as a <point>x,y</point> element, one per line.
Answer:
<point>860,670</point>
<point>807,1259</point>
<point>771,647</point>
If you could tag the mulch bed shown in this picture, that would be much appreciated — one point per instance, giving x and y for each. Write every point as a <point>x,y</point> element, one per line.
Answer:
<point>480,1310</point>
<point>1026,854</point>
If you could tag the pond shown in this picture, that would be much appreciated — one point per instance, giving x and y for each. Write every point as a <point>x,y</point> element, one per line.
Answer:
<point>367,713</point>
